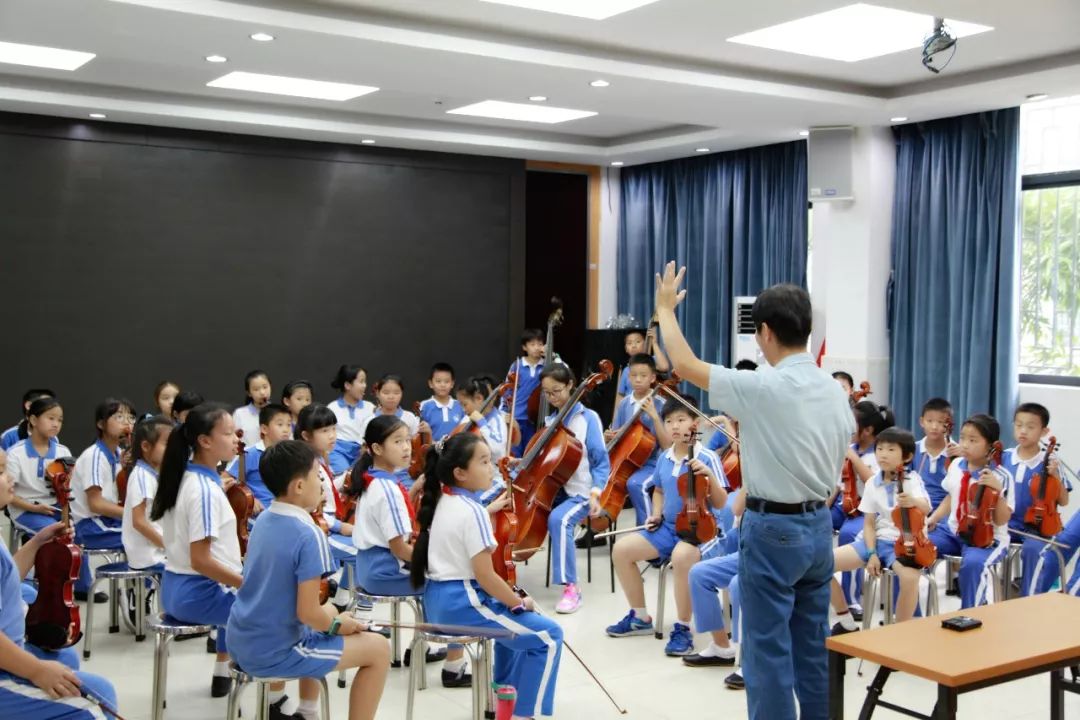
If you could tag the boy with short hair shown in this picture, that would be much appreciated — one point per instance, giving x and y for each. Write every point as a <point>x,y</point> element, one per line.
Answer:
<point>275,425</point>
<point>442,412</point>
<point>846,381</point>
<point>277,628</point>
<point>936,449</point>
<point>528,368</point>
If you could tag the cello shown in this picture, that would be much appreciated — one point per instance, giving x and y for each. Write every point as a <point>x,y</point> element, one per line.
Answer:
<point>52,621</point>
<point>537,404</point>
<point>976,526</point>
<point>913,547</point>
<point>695,522</point>
<point>549,462</point>
<point>862,393</point>
<point>239,495</point>
<point>420,444</point>
<point>469,425</point>
<point>504,523</point>
<point>1042,515</point>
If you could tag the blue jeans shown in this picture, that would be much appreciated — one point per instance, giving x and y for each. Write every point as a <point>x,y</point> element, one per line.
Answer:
<point>785,567</point>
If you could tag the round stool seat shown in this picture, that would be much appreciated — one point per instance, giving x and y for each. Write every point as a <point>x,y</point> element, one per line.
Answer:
<point>444,639</point>
<point>101,552</point>
<point>165,624</point>
<point>123,571</point>
<point>374,597</point>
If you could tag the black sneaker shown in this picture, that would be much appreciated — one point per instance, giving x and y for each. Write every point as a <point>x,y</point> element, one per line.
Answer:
<point>953,590</point>
<point>589,538</point>
<point>856,613</point>
<point>839,629</point>
<point>433,655</point>
<point>211,645</point>
<point>735,682</point>
<point>276,712</point>
<point>699,660</point>
<point>220,686</point>
<point>458,679</point>
<point>100,598</point>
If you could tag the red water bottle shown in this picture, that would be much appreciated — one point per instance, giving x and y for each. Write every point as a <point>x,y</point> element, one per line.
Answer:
<point>505,700</point>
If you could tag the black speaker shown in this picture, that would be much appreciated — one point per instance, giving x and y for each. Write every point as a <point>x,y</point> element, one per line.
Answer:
<point>604,345</point>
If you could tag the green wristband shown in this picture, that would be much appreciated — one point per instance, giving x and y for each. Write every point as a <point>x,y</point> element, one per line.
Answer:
<point>334,625</point>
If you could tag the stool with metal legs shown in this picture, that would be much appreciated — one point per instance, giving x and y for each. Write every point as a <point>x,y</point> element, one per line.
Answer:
<point>414,601</point>
<point>165,629</point>
<point>262,705</point>
<point>116,573</point>
<point>479,650</point>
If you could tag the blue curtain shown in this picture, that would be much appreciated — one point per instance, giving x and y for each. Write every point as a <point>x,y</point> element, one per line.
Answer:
<point>736,220</point>
<point>954,314</point>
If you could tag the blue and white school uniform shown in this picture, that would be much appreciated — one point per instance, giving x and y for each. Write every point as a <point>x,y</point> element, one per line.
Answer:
<point>341,546</point>
<point>201,511</point>
<point>707,579</point>
<point>852,582</point>
<point>1046,568</point>
<point>1021,472</point>
<point>266,638</point>
<point>528,379</point>
<point>252,477</point>
<point>529,662</point>
<point>410,420</point>
<point>931,469</point>
<point>625,388</point>
<point>975,578</point>
<point>246,418</point>
<point>666,477</point>
<point>142,487</point>
<point>441,418</point>
<point>27,469</point>
<point>9,437</point>
<point>635,485</point>
<point>352,421</point>
<point>20,698</point>
<point>381,516</point>
<point>97,466</point>
<point>717,441</point>
<point>879,497</point>
<point>493,430</point>
<point>571,509</point>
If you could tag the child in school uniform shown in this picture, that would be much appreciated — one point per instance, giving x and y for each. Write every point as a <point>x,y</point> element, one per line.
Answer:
<point>634,342</point>
<point>389,391</point>
<point>870,420</point>
<point>385,519</point>
<point>1031,423</point>
<point>95,509</point>
<point>934,453</point>
<point>317,426</point>
<point>453,555</point>
<point>246,417</point>
<point>642,376</point>
<point>33,506</point>
<point>528,367</point>
<point>143,542</point>
<point>277,628</point>
<point>579,496</point>
<point>295,397</point>
<point>184,403</point>
<point>353,413</point>
<point>493,426</point>
<point>846,381</point>
<point>32,684</point>
<point>1047,571</point>
<point>660,541</point>
<point>12,435</point>
<point>875,547</point>
<point>275,425</point>
<point>972,468</point>
<point>165,394</point>
<point>441,411</point>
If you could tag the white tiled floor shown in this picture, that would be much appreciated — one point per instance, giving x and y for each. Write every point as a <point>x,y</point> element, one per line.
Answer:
<point>649,684</point>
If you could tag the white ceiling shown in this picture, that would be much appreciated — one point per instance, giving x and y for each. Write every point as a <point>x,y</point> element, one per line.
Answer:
<point>676,84</point>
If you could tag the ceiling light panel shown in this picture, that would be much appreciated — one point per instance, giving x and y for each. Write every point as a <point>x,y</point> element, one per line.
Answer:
<point>852,33</point>
<point>589,9</point>
<point>43,57</point>
<point>295,87</point>
<point>521,112</point>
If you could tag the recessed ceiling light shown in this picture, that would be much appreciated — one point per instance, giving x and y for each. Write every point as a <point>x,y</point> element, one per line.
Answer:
<point>617,163</point>
<point>43,57</point>
<point>804,133</point>
<point>898,119</point>
<point>296,87</point>
<point>538,98</point>
<point>703,150</point>
<point>367,141</point>
<point>590,9</point>
<point>521,111</point>
<point>1036,97</point>
<point>600,83</point>
<point>852,33</point>
<point>216,58</point>
<point>262,37</point>
<point>98,116</point>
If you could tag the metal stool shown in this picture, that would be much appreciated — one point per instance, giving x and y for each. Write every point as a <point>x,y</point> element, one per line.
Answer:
<point>165,628</point>
<point>1010,568</point>
<point>888,588</point>
<point>109,555</point>
<point>588,555</point>
<point>114,573</point>
<point>953,561</point>
<point>395,601</point>
<point>664,566</point>
<point>480,657</point>
<point>262,708</point>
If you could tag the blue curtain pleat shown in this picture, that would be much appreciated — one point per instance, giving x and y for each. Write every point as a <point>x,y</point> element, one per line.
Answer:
<point>954,314</point>
<point>736,220</point>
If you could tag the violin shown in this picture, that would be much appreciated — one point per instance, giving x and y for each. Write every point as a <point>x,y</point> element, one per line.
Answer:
<point>348,499</point>
<point>420,444</point>
<point>861,394</point>
<point>52,621</point>
<point>489,402</point>
<point>320,521</point>
<point>695,522</point>
<point>732,464</point>
<point>1042,515</point>
<point>913,547</point>
<point>948,439</point>
<point>240,497</point>
<point>976,525</point>
<point>538,405</point>
<point>549,462</point>
<point>849,481</point>
<point>128,465</point>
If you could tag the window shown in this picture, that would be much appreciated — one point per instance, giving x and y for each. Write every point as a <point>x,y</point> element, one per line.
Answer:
<point>1050,242</point>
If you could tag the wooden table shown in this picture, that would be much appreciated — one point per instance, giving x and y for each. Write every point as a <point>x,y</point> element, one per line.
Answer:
<point>1008,646</point>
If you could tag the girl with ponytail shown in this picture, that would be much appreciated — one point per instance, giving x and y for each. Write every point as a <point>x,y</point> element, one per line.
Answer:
<point>453,554</point>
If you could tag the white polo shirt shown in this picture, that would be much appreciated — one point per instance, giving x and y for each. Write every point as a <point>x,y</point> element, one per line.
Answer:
<point>201,511</point>
<point>460,531</point>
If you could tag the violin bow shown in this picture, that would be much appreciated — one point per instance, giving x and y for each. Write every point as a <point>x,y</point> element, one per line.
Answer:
<point>675,396</point>
<point>100,702</point>
<point>442,628</point>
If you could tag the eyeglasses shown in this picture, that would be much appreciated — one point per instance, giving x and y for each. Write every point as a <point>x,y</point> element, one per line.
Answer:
<point>125,419</point>
<point>556,393</point>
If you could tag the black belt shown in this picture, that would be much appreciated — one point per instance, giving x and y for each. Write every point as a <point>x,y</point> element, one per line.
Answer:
<point>768,506</point>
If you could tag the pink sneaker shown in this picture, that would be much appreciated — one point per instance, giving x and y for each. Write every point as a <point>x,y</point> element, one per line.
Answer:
<point>571,600</point>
